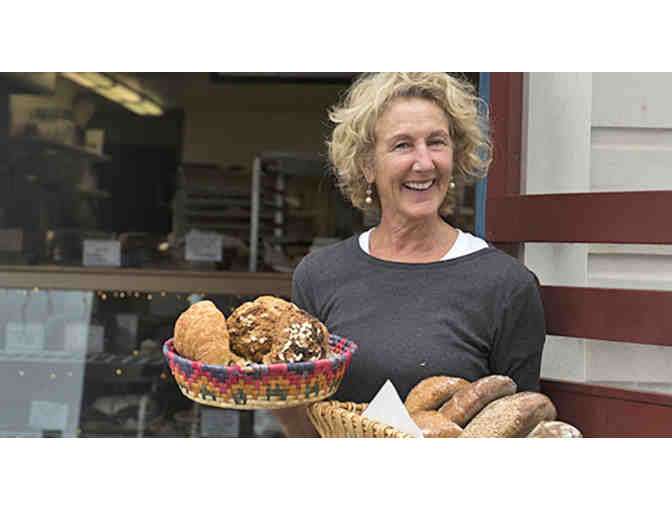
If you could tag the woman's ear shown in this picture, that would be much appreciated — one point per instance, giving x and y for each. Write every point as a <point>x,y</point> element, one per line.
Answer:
<point>369,172</point>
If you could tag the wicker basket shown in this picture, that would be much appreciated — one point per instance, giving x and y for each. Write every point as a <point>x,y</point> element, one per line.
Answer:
<point>344,419</point>
<point>261,386</point>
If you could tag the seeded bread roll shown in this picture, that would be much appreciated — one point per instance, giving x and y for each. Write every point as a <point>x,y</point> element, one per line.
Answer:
<point>252,326</point>
<point>555,429</point>
<point>298,337</point>
<point>434,424</point>
<point>271,330</point>
<point>430,393</point>
<point>468,401</point>
<point>201,335</point>
<point>511,416</point>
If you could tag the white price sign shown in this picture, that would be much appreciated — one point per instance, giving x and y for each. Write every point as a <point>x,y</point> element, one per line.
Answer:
<point>203,246</point>
<point>24,336</point>
<point>102,253</point>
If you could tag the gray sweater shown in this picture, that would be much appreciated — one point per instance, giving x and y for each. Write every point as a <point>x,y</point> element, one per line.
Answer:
<point>468,317</point>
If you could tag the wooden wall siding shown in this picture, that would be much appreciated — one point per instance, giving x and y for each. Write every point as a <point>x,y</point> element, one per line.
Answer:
<point>637,217</point>
<point>623,315</point>
<point>634,316</point>
<point>600,411</point>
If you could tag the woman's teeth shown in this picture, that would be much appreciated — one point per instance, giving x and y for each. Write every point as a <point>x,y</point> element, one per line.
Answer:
<point>418,185</point>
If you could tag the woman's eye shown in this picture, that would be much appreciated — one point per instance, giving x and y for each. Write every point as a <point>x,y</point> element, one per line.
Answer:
<point>437,142</point>
<point>402,145</point>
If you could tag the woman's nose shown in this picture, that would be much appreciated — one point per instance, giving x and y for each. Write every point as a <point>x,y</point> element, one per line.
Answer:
<point>423,160</point>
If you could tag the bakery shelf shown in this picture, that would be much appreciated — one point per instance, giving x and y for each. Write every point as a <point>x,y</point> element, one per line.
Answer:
<point>154,280</point>
<point>43,143</point>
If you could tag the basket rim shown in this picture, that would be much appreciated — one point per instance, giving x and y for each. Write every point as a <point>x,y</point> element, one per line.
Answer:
<point>333,408</point>
<point>259,369</point>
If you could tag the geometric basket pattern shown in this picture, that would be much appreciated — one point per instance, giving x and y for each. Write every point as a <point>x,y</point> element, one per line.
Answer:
<point>259,386</point>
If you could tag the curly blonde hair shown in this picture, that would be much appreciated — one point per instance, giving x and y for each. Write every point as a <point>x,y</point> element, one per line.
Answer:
<point>353,139</point>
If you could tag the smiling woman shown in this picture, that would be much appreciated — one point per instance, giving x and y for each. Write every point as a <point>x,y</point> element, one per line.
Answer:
<point>420,297</point>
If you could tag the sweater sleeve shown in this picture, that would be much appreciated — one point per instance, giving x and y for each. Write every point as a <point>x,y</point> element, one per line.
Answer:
<point>520,337</point>
<point>301,291</point>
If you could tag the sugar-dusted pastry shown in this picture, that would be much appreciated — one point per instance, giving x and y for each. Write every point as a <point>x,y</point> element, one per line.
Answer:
<point>271,330</point>
<point>201,335</point>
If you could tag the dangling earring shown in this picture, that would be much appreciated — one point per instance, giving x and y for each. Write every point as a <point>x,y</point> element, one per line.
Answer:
<point>369,192</point>
<point>451,184</point>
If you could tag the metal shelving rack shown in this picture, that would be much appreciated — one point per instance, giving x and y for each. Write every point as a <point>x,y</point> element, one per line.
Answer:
<point>271,201</point>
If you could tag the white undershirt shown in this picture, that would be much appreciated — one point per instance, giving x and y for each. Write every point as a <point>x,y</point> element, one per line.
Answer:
<point>463,245</point>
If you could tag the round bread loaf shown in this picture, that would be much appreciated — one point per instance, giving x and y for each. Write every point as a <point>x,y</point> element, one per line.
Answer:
<point>298,337</point>
<point>434,424</point>
<point>201,334</point>
<point>430,393</point>
<point>271,330</point>
<point>468,401</point>
<point>555,429</point>
<point>511,416</point>
<point>252,326</point>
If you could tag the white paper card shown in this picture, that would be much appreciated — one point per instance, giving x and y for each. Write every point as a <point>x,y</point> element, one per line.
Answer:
<point>203,246</point>
<point>24,336</point>
<point>47,415</point>
<point>387,407</point>
<point>76,336</point>
<point>102,253</point>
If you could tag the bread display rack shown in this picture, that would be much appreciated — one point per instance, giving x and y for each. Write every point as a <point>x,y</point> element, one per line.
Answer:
<point>270,201</point>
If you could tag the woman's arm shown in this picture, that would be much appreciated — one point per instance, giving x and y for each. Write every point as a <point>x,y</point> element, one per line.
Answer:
<point>295,422</point>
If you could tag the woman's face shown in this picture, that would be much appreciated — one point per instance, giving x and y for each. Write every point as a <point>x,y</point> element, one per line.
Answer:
<point>413,160</point>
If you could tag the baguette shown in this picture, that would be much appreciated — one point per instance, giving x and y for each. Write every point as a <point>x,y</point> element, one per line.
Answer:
<point>554,429</point>
<point>431,392</point>
<point>468,401</point>
<point>434,424</point>
<point>511,416</point>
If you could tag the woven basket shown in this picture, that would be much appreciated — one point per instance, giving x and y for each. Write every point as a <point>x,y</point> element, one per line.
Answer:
<point>344,419</point>
<point>261,386</point>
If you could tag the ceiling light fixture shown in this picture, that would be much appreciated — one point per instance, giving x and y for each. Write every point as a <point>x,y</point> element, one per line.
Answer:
<point>110,87</point>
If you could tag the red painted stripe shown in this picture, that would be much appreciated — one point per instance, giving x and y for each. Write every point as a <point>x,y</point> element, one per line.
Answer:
<point>633,316</point>
<point>599,411</point>
<point>636,217</point>
<point>506,106</point>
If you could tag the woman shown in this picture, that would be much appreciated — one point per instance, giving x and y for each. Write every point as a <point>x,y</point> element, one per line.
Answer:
<point>418,296</point>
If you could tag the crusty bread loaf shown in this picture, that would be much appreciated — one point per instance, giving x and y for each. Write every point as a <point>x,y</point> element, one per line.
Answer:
<point>468,401</point>
<point>430,393</point>
<point>554,429</point>
<point>434,424</point>
<point>201,335</point>
<point>511,416</point>
<point>271,330</point>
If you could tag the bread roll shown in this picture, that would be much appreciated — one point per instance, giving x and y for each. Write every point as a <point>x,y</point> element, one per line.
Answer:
<point>271,330</point>
<point>511,416</point>
<point>253,325</point>
<point>434,424</point>
<point>201,335</point>
<point>554,429</point>
<point>433,391</point>
<point>468,401</point>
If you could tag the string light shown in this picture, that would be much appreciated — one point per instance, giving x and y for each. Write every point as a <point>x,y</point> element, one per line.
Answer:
<point>69,374</point>
<point>21,373</point>
<point>52,376</point>
<point>118,371</point>
<point>149,297</point>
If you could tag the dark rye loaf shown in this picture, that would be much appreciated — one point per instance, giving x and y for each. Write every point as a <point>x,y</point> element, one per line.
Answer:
<point>511,416</point>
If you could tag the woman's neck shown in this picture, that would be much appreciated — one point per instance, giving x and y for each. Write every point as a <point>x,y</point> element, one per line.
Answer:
<point>426,241</point>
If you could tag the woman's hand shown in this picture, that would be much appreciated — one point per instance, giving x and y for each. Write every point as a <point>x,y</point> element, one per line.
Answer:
<point>295,422</point>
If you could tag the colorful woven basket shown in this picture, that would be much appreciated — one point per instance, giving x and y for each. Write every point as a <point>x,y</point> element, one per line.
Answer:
<point>344,419</point>
<point>261,386</point>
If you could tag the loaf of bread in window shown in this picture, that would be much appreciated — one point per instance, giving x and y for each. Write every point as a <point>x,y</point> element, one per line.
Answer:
<point>271,330</point>
<point>201,334</point>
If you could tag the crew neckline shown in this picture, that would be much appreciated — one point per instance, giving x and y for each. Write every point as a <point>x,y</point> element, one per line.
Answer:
<point>465,244</point>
